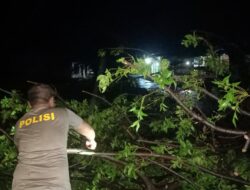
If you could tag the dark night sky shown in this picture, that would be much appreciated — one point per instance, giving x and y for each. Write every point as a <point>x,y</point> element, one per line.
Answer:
<point>41,38</point>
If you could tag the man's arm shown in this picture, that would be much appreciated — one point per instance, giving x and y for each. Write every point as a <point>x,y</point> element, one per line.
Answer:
<point>86,130</point>
<point>83,128</point>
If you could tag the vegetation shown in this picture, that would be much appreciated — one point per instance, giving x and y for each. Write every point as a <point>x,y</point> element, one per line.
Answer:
<point>159,140</point>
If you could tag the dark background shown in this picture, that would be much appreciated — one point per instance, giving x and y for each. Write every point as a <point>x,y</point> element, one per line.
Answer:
<point>41,38</point>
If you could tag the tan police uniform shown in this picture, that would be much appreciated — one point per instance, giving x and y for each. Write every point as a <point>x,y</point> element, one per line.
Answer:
<point>41,139</point>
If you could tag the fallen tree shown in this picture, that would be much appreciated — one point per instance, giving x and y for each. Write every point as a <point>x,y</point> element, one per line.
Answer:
<point>157,140</point>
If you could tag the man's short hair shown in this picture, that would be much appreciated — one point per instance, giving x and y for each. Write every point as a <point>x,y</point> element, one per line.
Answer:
<point>40,93</point>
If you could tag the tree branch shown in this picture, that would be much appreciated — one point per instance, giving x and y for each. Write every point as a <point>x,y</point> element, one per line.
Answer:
<point>11,94</point>
<point>171,143</point>
<point>206,122</point>
<point>199,118</point>
<point>146,180</point>
<point>6,91</point>
<point>175,173</point>
<point>109,157</point>
<point>7,135</point>
<point>211,95</point>
<point>100,154</point>
<point>110,104</point>
<point>223,176</point>
<point>246,136</point>
<point>103,99</point>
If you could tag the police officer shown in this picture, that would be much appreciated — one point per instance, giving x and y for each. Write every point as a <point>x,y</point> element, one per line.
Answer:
<point>41,140</point>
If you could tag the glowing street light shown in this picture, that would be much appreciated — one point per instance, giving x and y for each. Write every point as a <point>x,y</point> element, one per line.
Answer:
<point>187,63</point>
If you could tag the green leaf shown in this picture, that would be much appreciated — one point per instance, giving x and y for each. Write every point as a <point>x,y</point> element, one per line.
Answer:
<point>120,60</point>
<point>101,53</point>
<point>130,170</point>
<point>136,125</point>
<point>160,149</point>
<point>177,163</point>
<point>104,80</point>
<point>163,107</point>
<point>234,119</point>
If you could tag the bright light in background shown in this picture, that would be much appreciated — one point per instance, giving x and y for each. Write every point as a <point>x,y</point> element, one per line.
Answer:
<point>154,62</point>
<point>148,60</point>
<point>187,63</point>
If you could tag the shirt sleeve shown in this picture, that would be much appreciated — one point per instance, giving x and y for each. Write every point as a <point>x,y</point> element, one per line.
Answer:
<point>74,119</point>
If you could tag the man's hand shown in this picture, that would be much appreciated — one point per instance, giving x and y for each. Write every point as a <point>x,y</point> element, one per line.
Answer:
<point>86,130</point>
<point>91,144</point>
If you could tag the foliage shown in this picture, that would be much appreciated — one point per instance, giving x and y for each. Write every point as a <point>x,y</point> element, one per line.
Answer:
<point>7,161</point>
<point>213,61</point>
<point>151,140</point>
<point>10,109</point>
<point>191,40</point>
<point>234,96</point>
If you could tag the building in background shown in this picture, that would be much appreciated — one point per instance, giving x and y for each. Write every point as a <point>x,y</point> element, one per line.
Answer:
<point>81,71</point>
